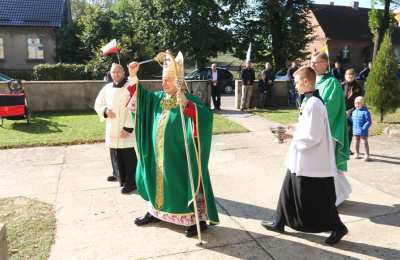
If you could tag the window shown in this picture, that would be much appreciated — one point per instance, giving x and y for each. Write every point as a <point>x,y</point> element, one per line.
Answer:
<point>1,48</point>
<point>35,49</point>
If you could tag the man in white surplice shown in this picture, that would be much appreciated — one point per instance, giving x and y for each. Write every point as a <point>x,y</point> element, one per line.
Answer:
<point>111,106</point>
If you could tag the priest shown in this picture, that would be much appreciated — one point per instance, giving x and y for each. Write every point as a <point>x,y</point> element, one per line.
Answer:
<point>111,106</point>
<point>307,198</point>
<point>333,98</point>
<point>162,174</point>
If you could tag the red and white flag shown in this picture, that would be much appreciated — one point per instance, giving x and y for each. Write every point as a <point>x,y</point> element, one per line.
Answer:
<point>110,48</point>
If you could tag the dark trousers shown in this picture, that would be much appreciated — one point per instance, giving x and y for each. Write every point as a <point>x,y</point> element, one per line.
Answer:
<point>216,97</point>
<point>124,166</point>
<point>264,97</point>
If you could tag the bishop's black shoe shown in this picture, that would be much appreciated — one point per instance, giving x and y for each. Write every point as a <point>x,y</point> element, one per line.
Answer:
<point>111,178</point>
<point>192,230</point>
<point>336,236</point>
<point>275,227</point>
<point>127,190</point>
<point>146,219</point>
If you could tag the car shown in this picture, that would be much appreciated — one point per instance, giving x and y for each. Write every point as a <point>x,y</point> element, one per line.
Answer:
<point>281,75</point>
<point>4,77</point>
<point>227,83</point>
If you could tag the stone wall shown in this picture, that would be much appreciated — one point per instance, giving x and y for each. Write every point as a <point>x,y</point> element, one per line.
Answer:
<point>3,243</point>
<point>80,95</point>
<point>279,95</point>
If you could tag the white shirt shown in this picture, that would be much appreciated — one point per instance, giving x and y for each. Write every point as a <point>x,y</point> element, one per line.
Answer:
<point>115,99</point>
<point>311,152</point>
<point>214,75</point>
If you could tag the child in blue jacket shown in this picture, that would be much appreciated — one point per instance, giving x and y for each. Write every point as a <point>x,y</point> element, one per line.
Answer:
<point>361,119</point>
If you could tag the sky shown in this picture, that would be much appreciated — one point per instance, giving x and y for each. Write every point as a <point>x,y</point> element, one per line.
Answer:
<point>362,3</point>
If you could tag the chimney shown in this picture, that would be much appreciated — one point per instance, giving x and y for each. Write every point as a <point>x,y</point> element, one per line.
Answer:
<point>355,5</point>
<point>332,3</point>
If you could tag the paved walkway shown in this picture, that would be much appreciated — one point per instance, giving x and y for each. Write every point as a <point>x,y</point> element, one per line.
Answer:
<point>95,221</point>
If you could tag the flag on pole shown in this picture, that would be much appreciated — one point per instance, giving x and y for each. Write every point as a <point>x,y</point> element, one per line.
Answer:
<point>248,54</point>
<point>110,48</point>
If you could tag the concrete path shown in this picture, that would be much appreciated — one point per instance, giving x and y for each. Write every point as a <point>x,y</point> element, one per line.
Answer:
<point>95,221</point>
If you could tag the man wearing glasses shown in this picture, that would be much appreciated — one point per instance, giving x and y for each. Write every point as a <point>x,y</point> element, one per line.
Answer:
<point>332,94</point>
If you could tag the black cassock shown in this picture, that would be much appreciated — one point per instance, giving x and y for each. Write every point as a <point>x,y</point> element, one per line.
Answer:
<point>307,204</point>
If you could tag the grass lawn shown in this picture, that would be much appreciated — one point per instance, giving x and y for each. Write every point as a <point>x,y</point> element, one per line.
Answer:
<point>287,115</point>
<point>57,128</point>
<point>283,116</point>
<point>389,119</point>
<point>223,125</point>
<point>31,227</point>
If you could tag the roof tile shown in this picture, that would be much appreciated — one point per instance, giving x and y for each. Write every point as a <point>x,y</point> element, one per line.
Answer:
<point>47,13</point>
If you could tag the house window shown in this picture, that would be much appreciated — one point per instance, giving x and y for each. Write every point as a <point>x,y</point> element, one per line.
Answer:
<point>35,49</point>
<point>1,48</point>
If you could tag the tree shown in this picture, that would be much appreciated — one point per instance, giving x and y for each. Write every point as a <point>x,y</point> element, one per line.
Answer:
<point>97,29</point>
<point>278,30</point>
<point>382,86</point>
<point>193,27</point>
<point>379,22</point>
<point>69,47</point>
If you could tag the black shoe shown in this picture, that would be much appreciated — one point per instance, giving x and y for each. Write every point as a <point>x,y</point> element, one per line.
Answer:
<point>126,190</point>
<point>192,230</point>
<point>112,178</point>
<point>146,219</point>
<point>351,152</point>
<point>273,226</point>
<point>336,236</point>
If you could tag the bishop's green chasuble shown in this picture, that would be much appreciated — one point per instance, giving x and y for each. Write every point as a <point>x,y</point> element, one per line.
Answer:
<point>162,169</point>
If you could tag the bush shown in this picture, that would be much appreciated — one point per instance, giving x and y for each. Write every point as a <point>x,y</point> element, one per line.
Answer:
<point>382,91</point>
<point>59,71</point>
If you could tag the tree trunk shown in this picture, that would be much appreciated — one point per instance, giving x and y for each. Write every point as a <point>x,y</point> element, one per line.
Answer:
<point>384,25</point>
<point>381,116</point>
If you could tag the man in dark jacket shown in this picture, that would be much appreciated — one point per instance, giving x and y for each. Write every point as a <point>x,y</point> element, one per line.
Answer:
<point>265,89</point>
<point>338,72</point>
<point>215,87</point>
<point>292,91</point>
<point>248,77</point>
<point>363,75</point>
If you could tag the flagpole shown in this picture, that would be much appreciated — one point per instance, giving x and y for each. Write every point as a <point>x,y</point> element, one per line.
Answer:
<point>119,61</point>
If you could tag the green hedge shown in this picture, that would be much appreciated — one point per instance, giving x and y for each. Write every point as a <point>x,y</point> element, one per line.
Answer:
<point>59,71</point>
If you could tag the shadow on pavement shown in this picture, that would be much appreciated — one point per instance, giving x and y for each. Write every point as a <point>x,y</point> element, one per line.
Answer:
<point>244,210</point>
<point>232,112</point>
<point>261,246</point>
<point>360,248</point>
<point>380,214</point>
<point>386,157</point>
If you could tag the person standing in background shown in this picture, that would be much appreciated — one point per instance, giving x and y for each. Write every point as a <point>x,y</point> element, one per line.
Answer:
<point>247,76</point>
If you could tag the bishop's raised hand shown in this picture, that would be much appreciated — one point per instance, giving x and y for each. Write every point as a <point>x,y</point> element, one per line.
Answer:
<point>133,68</point>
